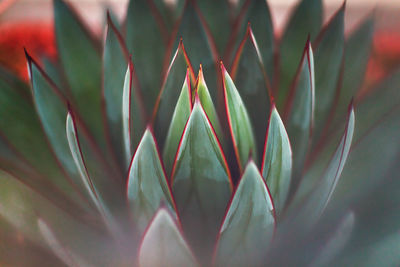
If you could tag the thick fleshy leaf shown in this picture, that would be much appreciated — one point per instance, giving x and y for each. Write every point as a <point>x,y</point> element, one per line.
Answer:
<point>73,142</point>
<point>179,118</point>
<point>199,45</point>
<point>239,122</point>
<point>52,110</point>
<point>249,223</point>
<point>336,242</point>
<point>147,46</point>
<point>115,60</point>
<point>81,60</point>
<point>147,184</point>
<point>258,15</point>
<point>131,116</point>
<point>300,112</point>
<point>201,182</point>
<point>316,200</point>
<point>305,20</point>
<point>328,57</point>
<point>250,78</point>
<point>216,15</point>
<point>169,93</point>
<point>357,51</point>
<point>163,244</point>
<point>207,103</point>
<point>277,163</point>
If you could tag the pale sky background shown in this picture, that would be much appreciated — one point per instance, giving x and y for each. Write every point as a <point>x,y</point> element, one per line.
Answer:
<point>387,11</point>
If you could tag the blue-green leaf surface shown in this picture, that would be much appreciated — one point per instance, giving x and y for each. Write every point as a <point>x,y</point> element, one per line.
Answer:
<point>277,161</point>
<point>179,118</point>
<point>249,223</point>
<point>201,182</point>
<point>163,244</point>
<point>239,122</point>
<point>147,184</point>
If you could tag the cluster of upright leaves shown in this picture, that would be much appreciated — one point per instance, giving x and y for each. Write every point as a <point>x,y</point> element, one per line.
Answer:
<point>188,199</point>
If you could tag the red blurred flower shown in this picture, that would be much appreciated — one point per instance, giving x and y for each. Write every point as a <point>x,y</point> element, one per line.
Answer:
<point>36,37</point>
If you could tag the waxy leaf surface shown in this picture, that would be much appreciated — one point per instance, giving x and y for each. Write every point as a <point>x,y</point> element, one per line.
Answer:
<point>147,183</point>
<point>277,163</point>
<point>328,57</point>
<point>250,78</point>
<point>300,112</point>
<point>201,182</point>
<point>249,224</point>
<point>81,60</point>
<point>163,244</point>
<point>169,94</point>
<point>144,38</point>
<point>239,122</point>
<point>179,118</point>
<point>305,20</point>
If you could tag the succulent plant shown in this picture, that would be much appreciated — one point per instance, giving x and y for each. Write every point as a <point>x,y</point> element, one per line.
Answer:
<point>146,151</point>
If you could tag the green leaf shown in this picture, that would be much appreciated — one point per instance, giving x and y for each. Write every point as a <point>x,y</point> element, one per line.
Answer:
<point>336,242</point>
<point>169,94</point>
<point>80,57</point>
<point>249,223</point>
<point>316,200</point>
<point>239,122</point>
<point>199,45</point>
<point>179,118</point>
<point>357,51</point>
<point>51,108</point>
<point>73,142</point>
<point>131,116</point>
<point>277,162</point>
<point>208,104</point>
<point>251,80</point>
<point>328,59</point>
<point>147,46</point>
<point>201,181</point>
<point>258,15</point>
<point>216,15</point>
<point>300,112</point>
<point>115,60</point>
<point>163,244</point>
<point>305,20</point>
<point>147,184</point>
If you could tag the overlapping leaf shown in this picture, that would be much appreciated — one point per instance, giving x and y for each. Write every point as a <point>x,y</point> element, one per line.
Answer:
<point>249,223</point>
<point>199,45</point>
<point>239,122</point>
<point>145,40</point>
<point>147,184</point>
<point>200,182</point>
<point>169,93</point>
<point>250,78</point>
<point>277,161</point>
<point>208,104</point>
<point>81,61</point>
<point>163,244</point>
<point>329,54</point>
<point>300,112</point>
<point>179,118</point>
<point>258,15</point>
<point>305,20</point>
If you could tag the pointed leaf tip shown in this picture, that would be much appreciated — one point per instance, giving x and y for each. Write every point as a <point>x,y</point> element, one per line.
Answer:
<point>163,244</point>
<point>249,223</point>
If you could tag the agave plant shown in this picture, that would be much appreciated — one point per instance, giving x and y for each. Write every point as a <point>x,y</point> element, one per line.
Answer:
<point>147,151</point>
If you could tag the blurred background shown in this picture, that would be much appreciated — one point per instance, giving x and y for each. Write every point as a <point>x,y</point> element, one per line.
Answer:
<point>29,23</point>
